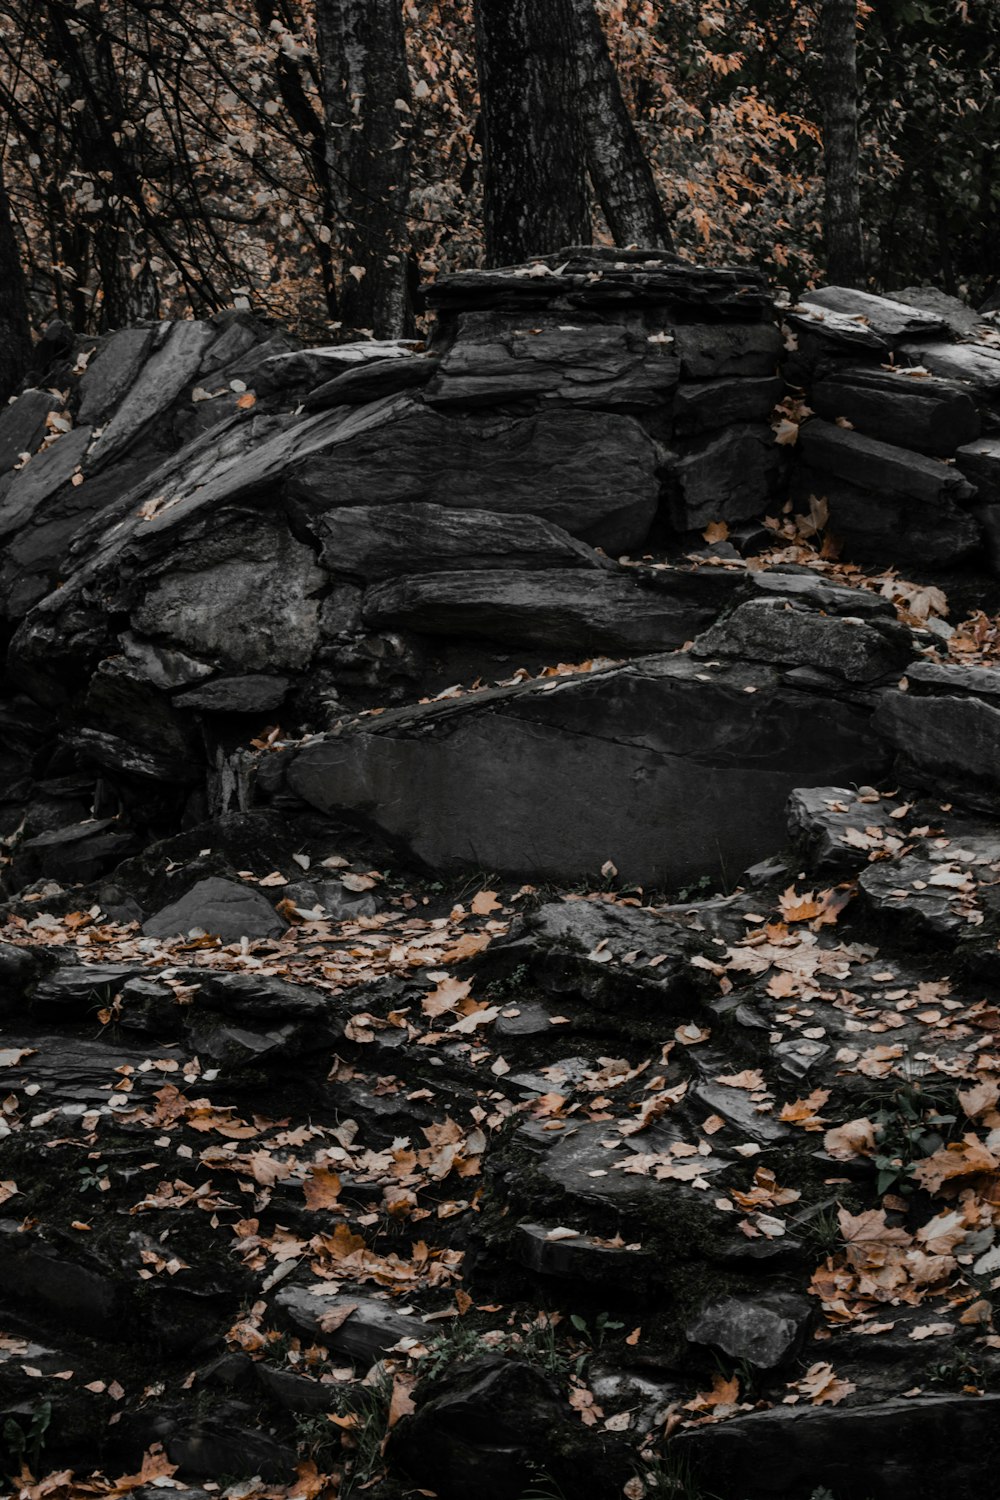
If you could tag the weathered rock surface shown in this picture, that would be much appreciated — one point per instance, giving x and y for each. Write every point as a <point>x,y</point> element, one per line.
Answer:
<point>548,779</point>
<point>929,416</point>
<point>592,474</point>
<point>728,477</point>
<point>949,735</point>
<point>893,321</point>
<point>572,613</point>
<point>221,907</point>
<point>388,541</point>
<point>786,633</point>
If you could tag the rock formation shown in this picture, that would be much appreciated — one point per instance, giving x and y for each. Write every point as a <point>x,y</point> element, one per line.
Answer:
<point>499,906</point>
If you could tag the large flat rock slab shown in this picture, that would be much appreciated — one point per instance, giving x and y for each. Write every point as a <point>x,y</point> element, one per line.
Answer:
<point>592,473</point>
<point>668,767</point>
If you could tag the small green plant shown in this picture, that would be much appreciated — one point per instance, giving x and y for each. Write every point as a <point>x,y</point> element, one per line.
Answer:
<point>457,1342</point>
<point>959,1373</point>
<point>595,1336</point>
<point>822,1232</point>
<point>509,984</point>
<point>914,1121</point>
<point>91,1175</point>
<point>25,1445</point>
<point>542,1486</point>
<point>671,1478</point>
<point>368,1404</point>
<point>703,886</point>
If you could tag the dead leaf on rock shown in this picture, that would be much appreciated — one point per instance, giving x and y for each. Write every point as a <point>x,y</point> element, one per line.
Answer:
<point>321,1188</point>
<point>822,1385</point>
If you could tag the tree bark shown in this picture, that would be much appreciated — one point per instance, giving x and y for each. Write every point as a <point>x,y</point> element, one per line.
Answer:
<point>842,209</point>
<point>619,169</point>
<point>366,102</point>
<point>534,155</point>
<point>15,330</point>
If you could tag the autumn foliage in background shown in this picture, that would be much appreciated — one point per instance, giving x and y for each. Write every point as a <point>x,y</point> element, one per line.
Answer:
<point>166,157</point>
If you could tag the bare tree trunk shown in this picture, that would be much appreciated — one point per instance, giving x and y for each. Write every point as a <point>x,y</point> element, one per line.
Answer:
<point>619,169</point>
<point>842,210</point>
<point>15,330</point>
<point>535,183</point>
<point>366,100</point>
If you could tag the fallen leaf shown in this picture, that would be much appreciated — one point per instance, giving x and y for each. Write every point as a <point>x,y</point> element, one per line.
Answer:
<point>321,1188</point>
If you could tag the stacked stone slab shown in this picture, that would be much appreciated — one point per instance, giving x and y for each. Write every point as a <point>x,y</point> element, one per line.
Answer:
<point>906,395</point>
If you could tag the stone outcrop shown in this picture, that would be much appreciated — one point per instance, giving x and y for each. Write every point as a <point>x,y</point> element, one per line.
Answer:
<point>439,883</point>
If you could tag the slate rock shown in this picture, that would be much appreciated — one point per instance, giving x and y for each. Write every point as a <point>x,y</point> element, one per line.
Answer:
<point>570,612</point>
<point>784,633</point>
<point>124,758</point>
<point>375,542</point>
<point>222,1445</point>
<point>925,415</point>
<point>737,1110</point>
<point>958,316</point>
<point>83,987</point>
<point>642,764</point>
<point>224,908</point>
<point>875,526</point>
<point>819,593</point>
<point>901,896</point>
<point>893,321</point>
<point>313,366</point>
<point>256,998</point>
<point>112,372</point>
<point>255,692</point>
<point>362,383</point>
<point>881,467</point>
<point>821,334</point>
<point>172,366</point>
<point>161,666</point>
<point>930,677</point>
<point>496,360</point>
<point>252,609</point>
<point>704,405</point>
<point>81,1293</point>
<point>711,351</point>
<point>732,476</point>
<point>40,479</point>
<point>20,971</point>
<point>977,364</point>
<point>23,425</point>
<point>765,1330</point>
<point>592,473</point>
<point>581,1258</point>
<point>945,740</point>
<point>823,820</point>
<point>241,335</point>
<point>33,560</point>
<point>369,1331</point>
<point>74,854</point>
<point>930,1447</point>
<point>594,276</point>
<point>979,461</point>
<point>487,1427</point>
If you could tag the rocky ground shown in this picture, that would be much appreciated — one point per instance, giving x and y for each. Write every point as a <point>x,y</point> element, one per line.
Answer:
<point>496,967</point>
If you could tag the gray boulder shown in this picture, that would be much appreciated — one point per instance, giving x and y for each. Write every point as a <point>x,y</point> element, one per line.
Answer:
<point>224,908</point>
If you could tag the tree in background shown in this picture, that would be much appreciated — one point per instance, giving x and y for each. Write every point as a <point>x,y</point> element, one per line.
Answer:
<point>15,331</point>
<point>535,176</point>
<point>173,158</point>
<point>619,168</point>
<point>838,40</point>
<point>365,88</point>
